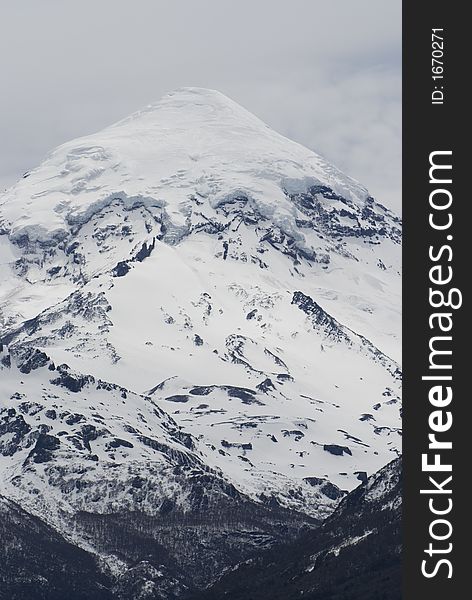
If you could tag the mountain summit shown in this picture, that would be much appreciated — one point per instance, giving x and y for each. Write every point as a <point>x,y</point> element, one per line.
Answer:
<point>193,141</point>
<point>200,330</point>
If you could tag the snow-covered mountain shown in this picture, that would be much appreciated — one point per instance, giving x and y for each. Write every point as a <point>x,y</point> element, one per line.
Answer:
<point>195,311</point>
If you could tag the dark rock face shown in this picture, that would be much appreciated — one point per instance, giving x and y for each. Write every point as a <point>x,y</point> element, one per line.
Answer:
<point>6,361</point>
<point>13,432</point>
<point>44,448</point>
<point>178,398</point>
<point>266,385</point>
<point>145,251</point>
<point>319,317</point>
<point>246,395</point>
<point>342,218</point>
<point>356,553</point>
<point>197,340</point>
<point>362,476</point>
<point>117,443</point>
<point>70,380</point>
<point>326,487</point>
<point>251,314</point>
<point>337,450</point>
<point>244,446</point>
<point>32,359</point>
<point>121,269</point>
<point>333,330</point>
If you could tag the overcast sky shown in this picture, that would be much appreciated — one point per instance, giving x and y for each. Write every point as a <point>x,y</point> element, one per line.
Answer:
<point>326,73</point>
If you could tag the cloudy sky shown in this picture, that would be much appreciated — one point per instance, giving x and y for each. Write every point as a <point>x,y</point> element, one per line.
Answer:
<point>326,73</point>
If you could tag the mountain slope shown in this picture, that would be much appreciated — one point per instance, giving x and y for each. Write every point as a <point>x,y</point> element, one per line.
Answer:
<point>36,562</point>
<point>132,489</point>
<point>211,312</point>
<point>354,555</point>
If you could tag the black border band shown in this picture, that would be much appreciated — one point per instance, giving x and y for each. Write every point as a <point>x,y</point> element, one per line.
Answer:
<point>434,133</point>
